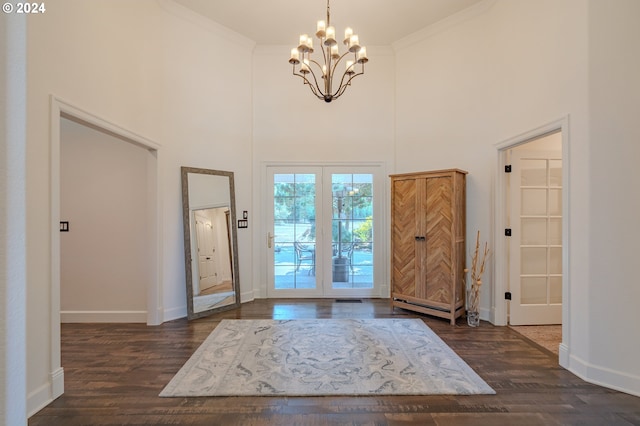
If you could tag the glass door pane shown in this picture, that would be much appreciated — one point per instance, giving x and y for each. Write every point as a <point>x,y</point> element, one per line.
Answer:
<point>352,231</point>
<point>294,230</point>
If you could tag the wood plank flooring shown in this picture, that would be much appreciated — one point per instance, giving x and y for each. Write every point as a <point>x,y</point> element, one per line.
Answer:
<point>114,373</point>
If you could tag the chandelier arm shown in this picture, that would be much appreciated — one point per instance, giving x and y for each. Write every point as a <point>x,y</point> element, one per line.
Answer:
<point>324,54</point>
<point>343,85</point>
<point>306,81</point>
<point>338,61</point>
<point>314,75</point>
<point>315,80</point>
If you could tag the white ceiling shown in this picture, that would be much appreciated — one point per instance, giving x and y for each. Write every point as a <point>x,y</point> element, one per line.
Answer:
<point>280,22</point>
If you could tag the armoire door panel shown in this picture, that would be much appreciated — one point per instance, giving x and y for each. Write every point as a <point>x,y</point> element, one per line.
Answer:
<point>439,239</point>
<point>403,239</point>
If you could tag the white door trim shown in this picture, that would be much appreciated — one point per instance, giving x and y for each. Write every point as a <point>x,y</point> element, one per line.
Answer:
<point>499,309</point>
<point>63,109</point>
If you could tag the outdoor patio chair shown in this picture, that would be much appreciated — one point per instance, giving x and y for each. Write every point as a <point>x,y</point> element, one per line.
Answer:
<point>305,252</point>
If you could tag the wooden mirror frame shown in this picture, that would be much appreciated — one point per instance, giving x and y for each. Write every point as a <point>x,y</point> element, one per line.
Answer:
<point>188,256</point>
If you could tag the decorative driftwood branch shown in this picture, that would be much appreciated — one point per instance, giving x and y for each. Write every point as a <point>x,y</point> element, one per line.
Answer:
<point>477,269</point>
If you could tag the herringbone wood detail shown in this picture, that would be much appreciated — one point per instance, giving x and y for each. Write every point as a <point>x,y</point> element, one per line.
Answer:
<point>428,230</point>
<point>404,231</point>
<point>439,239</point>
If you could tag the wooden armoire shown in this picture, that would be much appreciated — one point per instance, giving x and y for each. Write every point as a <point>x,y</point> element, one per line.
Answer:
<point>428,224</point>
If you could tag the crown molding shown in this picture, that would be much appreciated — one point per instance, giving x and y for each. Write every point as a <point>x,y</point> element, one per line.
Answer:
<point>444,24</point>
<point>187,14</point>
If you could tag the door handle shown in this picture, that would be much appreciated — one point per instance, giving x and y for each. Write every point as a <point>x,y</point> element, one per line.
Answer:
<point>270,240</point>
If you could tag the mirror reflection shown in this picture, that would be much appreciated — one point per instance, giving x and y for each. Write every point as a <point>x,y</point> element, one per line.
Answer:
<point>210,241</point>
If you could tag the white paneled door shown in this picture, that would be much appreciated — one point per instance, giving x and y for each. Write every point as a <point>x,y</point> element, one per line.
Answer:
<point>536,240</point>
<point>206,252</point>
<point>323,230</point>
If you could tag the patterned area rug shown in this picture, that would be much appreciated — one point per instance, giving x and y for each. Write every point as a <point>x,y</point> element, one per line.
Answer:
<point>324,357</point>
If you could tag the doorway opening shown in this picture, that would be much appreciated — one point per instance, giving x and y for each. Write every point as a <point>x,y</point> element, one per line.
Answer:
<point>60,110</point>
<point>103,201</point>
<point>531,232</point>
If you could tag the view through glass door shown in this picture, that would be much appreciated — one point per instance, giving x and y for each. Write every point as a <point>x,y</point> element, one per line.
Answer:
<point>323,223</point>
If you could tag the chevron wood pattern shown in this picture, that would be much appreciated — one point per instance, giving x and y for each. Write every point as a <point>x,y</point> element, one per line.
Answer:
<point>439,214</point>
<point>405,228</point>
<point>428,242</point>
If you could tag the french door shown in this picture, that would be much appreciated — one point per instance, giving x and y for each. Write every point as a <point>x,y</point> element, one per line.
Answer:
<point>323,231</point>
<point>536,244</point>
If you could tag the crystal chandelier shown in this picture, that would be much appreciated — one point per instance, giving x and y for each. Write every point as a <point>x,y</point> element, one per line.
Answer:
<point>325,87</point>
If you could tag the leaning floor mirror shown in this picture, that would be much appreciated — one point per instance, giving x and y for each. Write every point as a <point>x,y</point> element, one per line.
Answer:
<point>210,241</point>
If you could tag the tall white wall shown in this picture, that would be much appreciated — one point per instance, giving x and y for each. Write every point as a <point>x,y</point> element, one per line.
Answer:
<point>105,258</point>
<point>614,179</point>
<point>13,271</point>
<point>290,125</point>
<point>515,67</point>
<point>155,70</point>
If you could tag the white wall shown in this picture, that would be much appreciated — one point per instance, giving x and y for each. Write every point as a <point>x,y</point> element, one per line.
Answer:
<point>13,272</point>
<point>511,69</point>
<point>208,190</point>
<point>614,179</point>
<point>154,70</point>
<point>106,260</point>
<point>496,75</point>
<point>290,125</point>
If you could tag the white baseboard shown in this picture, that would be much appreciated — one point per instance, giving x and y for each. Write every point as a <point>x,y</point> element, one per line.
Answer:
<point>563,358</point>
<point>485,314</point>
<point>175,313</point>
<point>605,377</point>
<point>46,393</point>
<point>103,316</point>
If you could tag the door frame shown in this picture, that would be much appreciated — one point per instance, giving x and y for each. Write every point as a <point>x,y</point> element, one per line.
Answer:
<point>59,109</point>
<point>500,259</point>
<point>260,248</point>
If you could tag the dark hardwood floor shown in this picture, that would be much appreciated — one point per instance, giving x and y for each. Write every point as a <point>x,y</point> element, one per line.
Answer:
<point>114,373</point>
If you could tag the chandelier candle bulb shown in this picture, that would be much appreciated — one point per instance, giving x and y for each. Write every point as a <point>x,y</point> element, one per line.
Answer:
<point>331,37</point>
<point>295,56</point>
<point>350,67</point>
<point>302,47</point>
<point>321,29</point>
<point>335,54</point>
<point>304,67</point>
<point>310,44</point>
<point>348,32</point>
<point>354,43</point>
<point>362,55</point>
